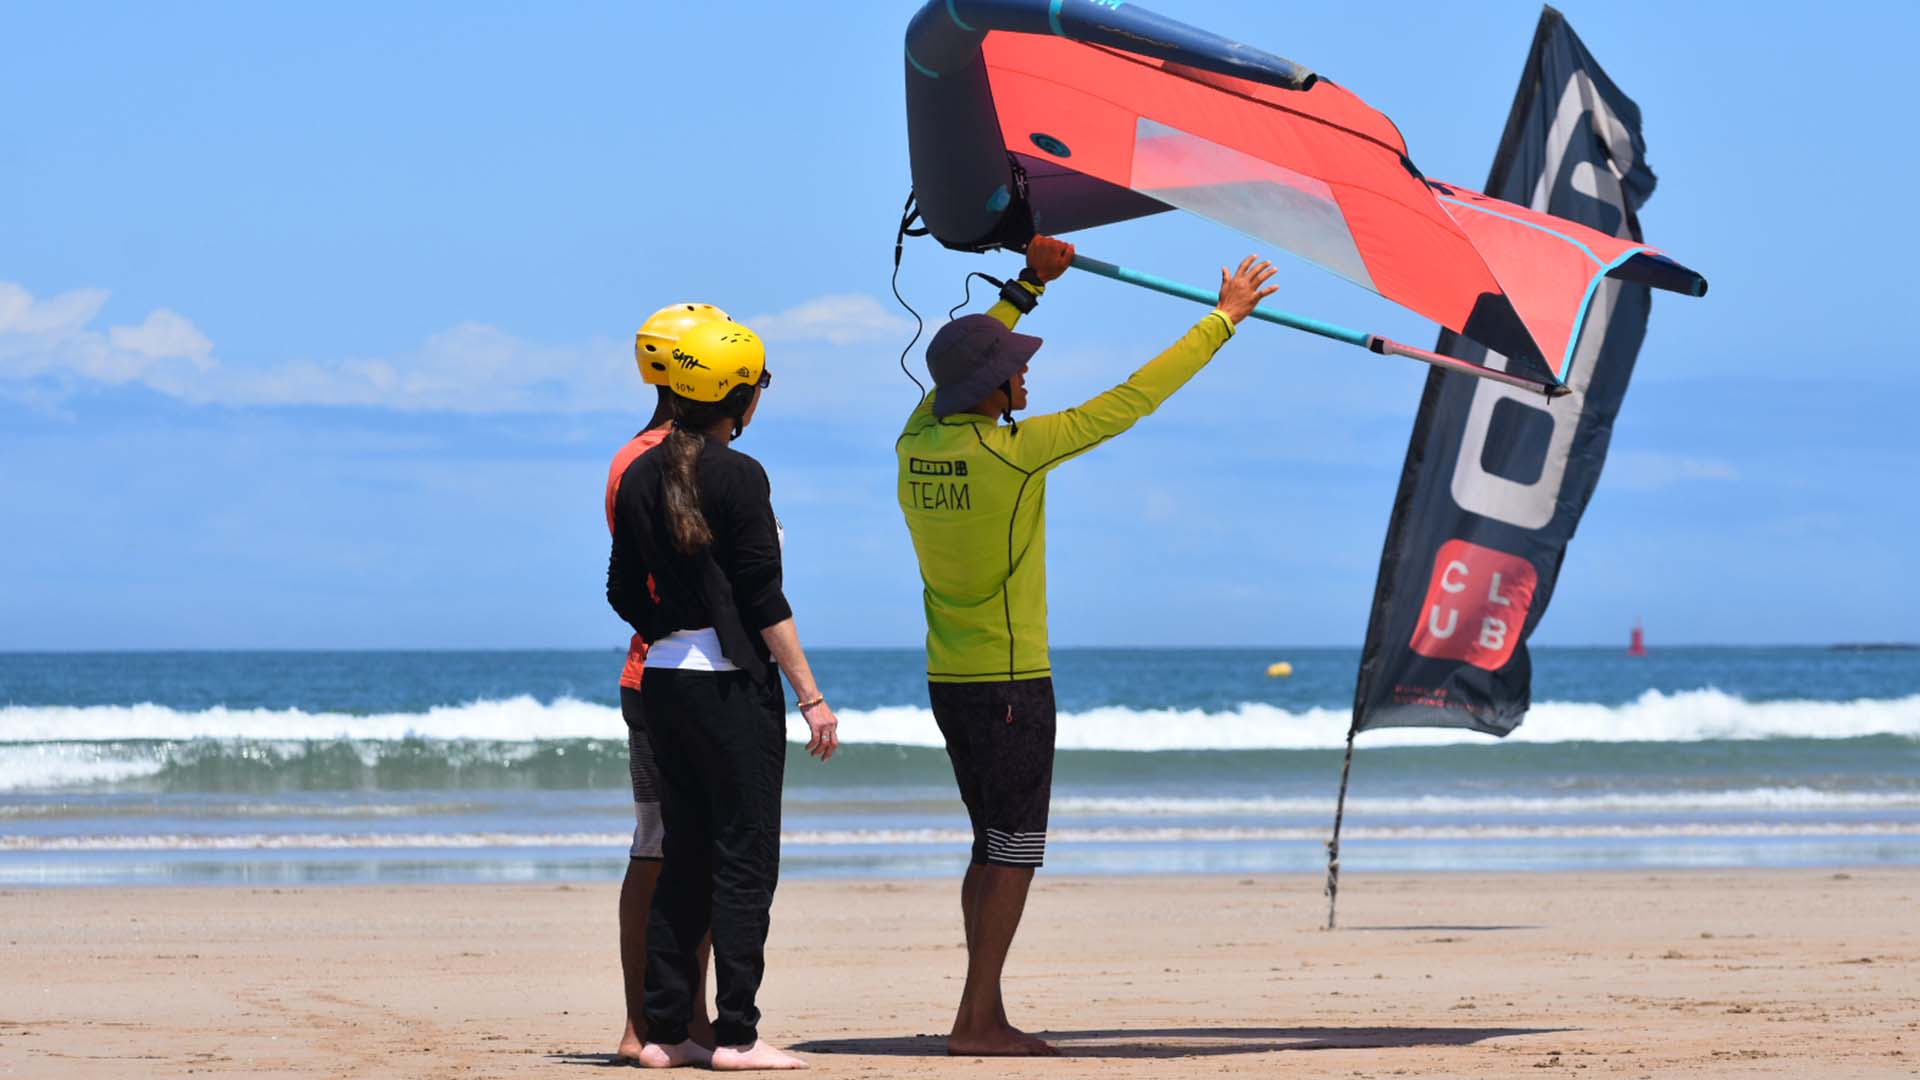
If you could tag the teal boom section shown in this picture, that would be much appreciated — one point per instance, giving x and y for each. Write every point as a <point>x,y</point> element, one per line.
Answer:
<point>1202,296</point>
<point>1370,342</point>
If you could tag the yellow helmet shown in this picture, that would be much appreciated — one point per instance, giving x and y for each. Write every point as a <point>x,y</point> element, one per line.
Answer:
<point>714,359</point>
<point>654,343</point>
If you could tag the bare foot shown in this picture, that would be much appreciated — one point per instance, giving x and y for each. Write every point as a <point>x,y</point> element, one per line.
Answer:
<point>757,1056</point>
<point>1003,1040</point>
<point>656,1056</point>
<point>630,1044</point>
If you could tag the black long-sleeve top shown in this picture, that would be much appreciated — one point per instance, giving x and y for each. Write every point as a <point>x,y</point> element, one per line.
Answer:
<point>734,585</point>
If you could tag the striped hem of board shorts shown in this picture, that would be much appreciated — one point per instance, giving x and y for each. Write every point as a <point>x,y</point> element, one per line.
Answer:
<point>640,767</point>
<point>649,832</point>
<point>1017,848</point>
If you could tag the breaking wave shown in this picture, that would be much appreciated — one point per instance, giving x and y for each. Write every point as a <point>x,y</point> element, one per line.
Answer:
<point>911,837</point>
<point>1692,715</point>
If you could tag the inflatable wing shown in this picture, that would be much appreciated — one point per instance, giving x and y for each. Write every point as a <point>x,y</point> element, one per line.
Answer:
<point>1048,116</point>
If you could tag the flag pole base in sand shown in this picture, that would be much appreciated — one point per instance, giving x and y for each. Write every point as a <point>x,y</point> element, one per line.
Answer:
<point>1333,844</point>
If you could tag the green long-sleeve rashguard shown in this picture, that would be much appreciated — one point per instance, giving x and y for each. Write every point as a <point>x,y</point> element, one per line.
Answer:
<point>974,493</point>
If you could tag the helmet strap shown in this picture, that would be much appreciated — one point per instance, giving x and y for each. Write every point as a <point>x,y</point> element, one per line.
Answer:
<point>1006,414</point>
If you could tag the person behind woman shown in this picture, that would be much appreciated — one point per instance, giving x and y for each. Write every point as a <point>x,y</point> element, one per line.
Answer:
<point>696,571</point>
<point>652,349</point>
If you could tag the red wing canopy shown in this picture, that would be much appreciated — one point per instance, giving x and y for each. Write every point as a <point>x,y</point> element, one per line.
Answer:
<point>1548,266</point>
<point>1315,171</point>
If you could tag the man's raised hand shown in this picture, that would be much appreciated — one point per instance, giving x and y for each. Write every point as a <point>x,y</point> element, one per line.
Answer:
<point>1242,291</point>
<point>1048,258</point>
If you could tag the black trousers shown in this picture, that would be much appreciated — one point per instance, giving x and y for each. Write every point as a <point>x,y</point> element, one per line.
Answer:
<point>720,742</point>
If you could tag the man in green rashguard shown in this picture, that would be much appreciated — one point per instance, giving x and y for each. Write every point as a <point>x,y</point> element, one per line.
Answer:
<point>974,493</point>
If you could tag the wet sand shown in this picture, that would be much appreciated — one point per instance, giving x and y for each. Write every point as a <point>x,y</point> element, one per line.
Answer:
<point>1753,973</point>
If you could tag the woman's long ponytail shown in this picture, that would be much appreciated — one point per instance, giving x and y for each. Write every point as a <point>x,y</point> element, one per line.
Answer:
<point>691,533</point>
<point>679,475</point>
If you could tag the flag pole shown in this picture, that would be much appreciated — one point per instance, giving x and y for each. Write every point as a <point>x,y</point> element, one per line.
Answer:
<point>1333,844</point>
<point>1371,342</point>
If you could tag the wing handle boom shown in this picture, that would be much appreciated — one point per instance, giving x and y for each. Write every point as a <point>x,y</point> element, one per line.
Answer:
<point>1371,342</point>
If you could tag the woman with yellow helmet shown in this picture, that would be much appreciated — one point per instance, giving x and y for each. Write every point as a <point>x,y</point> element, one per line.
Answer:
<point>696,571</point>
<point>652,346</point>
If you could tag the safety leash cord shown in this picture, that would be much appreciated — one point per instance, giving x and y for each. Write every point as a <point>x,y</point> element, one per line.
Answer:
<point>966,297</point>
<point>967,290</point>
<point>907,215</point>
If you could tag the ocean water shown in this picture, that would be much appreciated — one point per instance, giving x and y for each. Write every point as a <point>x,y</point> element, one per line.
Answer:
<point>278,767</point>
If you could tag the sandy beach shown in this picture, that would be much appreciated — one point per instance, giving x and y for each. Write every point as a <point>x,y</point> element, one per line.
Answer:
<point>1787,973</point>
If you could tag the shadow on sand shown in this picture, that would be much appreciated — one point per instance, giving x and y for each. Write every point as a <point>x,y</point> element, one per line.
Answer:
<point>605,1061</point>
<point>1189,1042</point>
<point>1440,926</point>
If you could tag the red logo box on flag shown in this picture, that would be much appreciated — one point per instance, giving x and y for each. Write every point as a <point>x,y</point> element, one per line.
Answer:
<point>1477,604</point>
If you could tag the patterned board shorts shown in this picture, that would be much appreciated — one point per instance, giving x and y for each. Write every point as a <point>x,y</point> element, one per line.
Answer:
<point>648,831</point>
<point>1000,741</point>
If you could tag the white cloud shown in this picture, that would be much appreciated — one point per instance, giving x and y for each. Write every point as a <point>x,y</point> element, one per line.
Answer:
<point>470,368</point>
<point>67,313</point>
<point>51,337</point>
<point>1648,470</point>
<point>842,319</point>
<point>162,336</point>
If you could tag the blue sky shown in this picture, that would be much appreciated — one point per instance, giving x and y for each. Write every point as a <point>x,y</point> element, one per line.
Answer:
<point>315,326</point>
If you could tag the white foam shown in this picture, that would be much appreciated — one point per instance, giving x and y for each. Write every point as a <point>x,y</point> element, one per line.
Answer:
<point>1749,799</point>
<point>1681,717</point>
<point>618,842</point>
<point>1654,716</point>
<point>515,719</point>
<point>50,765</point>
<point>244,808</point>
<point>309,841</point>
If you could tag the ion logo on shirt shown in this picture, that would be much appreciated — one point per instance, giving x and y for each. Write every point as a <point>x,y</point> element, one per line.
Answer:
<point>923,467</point>
<point>938,494</point>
